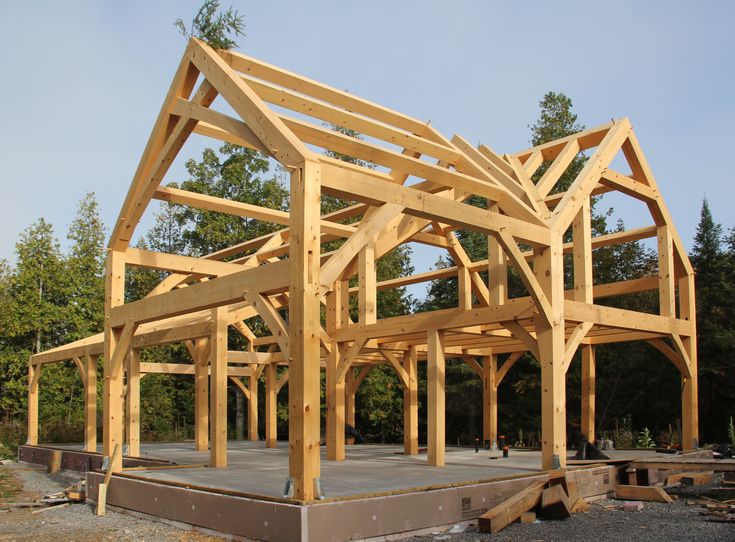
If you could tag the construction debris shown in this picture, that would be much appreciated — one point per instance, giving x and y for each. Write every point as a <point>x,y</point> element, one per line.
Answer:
<point>556,498</point>
<point>642,493</point>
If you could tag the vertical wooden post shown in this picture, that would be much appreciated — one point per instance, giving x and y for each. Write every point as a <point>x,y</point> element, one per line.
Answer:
<point>690,393</point>
<point>582,254</point>
<point>549,271</point>
<point>271,405</point>
<point>201,394</point>
<point>583,283</point>
<point>337,300</point>
<point>666,284</point>
<point>588,392</point>
<point>34,374</point>
<point>112,423</point>
<point>218,384</point>
<point>350,397</point>
<point>90,404</point>
<point>464,287</point>
<point>411,403</point>
<point>435,385</point>
<point>497,268</point>
<point>304,330</point>
<point>132,418</point>
<point>253,403</point>
<point>367,287</point>
<point>490,398</point>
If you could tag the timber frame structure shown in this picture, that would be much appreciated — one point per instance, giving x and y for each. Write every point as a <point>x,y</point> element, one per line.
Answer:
<point>417,193</point>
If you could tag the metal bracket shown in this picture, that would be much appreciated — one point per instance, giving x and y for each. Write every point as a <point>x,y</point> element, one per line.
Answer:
<point>288,490</point>
<point>318,493</point>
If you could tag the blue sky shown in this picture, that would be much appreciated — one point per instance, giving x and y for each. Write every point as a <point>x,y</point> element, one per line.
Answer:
<point>83,82</point>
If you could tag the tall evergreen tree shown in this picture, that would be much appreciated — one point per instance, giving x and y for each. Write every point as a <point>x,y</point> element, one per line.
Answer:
<point>85,270</point>
<point>714,326</point>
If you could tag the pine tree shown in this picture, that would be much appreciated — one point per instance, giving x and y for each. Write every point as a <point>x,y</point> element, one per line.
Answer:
<point>714,326</point>
<point>85,270</point>
<point>34,316</point>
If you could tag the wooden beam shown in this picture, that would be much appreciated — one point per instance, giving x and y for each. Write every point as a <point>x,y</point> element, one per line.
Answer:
<point>279,140</point>
<point>490,399</point>
<point>582,254</point>
<point>549,271</point>
<point>90,403</point>
<point>132,398</point>
<point>588,392</point>
<point>411,403</point>
<point>442,319</point>
<point>507,366</point>
<point>34,375</point>
<point>689,392</point>
<point>582,186</point>
<point>624,319</point>
<point>344,118</point>
<point>201,394</point>
<point>236,208</point>
<point>367,302</point>
<point>526,337</point>
<point>352,184</point>
<point>572,343</point>
<point>218,387</point>
<point>271,317</point>
<point>349,356</point>
<point>271,406</point>
<point>253,402</point>
<point>178,264</point>
<point>511,509</point>
<point>304,331</point>
<point>397,366</point>
<point>161,136</point>
<point>666,274</point>
<point>115,350</point>
<point>642,493</point>
<point>435,386</point>
<point>557,168</point>
<point>205,295</point>
<point>320,91</point>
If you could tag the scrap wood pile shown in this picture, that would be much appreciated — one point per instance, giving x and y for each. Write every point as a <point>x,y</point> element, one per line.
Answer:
<point>555,498</point>
<point>718,503</point>
<point>52,501</point>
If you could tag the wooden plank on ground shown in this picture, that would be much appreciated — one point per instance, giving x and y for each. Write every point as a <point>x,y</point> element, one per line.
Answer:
<point>54,463</point>
<point>102,489</point>
<point>642,493</point>
<point>511,509</point>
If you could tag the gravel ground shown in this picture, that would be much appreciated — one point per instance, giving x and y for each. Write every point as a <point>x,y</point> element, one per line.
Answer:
<point>671,522</point>
<point>656,522</point>
<point>78,521</point>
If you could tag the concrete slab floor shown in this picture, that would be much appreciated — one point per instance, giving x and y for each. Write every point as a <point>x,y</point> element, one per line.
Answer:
<point>254,469</point>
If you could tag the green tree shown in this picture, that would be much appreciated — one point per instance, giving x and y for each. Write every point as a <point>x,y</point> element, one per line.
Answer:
<point>213,27</point>
<point>557,120</point>
<point>85,266</point>
<point>237,174</point>
<point>714,281</point>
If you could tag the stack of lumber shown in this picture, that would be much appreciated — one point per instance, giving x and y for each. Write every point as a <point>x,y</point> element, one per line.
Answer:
<point>556,498</point>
